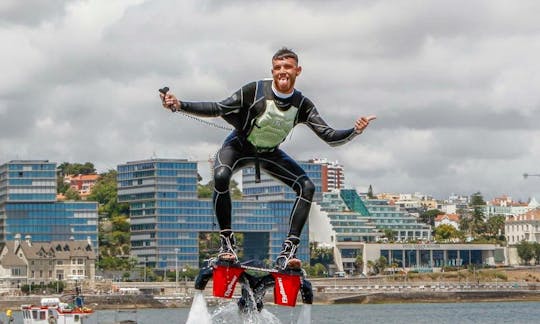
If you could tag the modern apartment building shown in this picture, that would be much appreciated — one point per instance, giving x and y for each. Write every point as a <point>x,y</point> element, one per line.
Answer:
<point>167,218</point>
<point>28,206</point>
<point>332,174</point>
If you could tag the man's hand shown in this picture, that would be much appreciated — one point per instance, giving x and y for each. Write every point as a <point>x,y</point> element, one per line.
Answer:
<point>169,101</point>
<point>362,123</point>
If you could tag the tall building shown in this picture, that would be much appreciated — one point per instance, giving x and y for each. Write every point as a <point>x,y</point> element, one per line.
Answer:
<point>167,217</point>
<point>28,206</point>
<point>332,174</point>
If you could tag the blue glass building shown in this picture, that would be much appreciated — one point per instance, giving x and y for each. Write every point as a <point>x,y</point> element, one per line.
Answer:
<point>167,217</point>
<point>28,206</point>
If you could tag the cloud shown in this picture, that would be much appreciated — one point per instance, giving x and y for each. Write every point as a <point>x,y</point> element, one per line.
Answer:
<point>453,84</point>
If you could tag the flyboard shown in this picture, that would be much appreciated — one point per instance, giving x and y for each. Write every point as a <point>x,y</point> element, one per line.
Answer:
<point>225,275</point>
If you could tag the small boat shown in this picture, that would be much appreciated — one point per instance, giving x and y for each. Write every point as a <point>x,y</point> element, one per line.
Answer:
<point>53,311</point>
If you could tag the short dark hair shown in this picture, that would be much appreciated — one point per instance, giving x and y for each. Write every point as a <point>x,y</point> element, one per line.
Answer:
<point>284,53</point>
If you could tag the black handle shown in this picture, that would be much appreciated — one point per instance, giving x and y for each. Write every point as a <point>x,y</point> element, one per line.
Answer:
<point>164,90</point>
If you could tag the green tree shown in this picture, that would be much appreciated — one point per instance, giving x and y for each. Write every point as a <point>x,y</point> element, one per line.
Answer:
<point>390,234</point>
<point>359,263</point>
<point>536,249</point>
<point>106,194</point>
<point>321,255</point>
<point>495,226</point>
<point>477,204</point>
<point>72,194</point>
<point>446,232</point>
<point>317,270</point>
<point>76,168</point>
<point>370,192</point>
<point>428,216</point>
<point>114,230</point>
<point>526,251</point>
<point>381,264</point>
<point>207,190</point>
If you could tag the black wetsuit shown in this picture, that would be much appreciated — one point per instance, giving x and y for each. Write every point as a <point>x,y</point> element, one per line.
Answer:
<point>261,121</point>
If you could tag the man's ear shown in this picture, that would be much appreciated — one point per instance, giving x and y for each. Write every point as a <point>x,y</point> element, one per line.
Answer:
<point>298,70</point>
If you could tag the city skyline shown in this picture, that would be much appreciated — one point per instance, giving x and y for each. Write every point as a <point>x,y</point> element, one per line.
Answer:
<point>453,84</point>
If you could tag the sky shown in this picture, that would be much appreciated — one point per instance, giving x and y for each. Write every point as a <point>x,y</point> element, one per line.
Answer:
<point>454,84</point>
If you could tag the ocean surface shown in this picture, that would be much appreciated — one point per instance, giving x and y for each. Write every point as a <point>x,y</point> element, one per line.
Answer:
<point>506,312</point>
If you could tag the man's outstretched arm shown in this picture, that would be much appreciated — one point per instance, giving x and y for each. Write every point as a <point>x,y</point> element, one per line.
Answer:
<point>203,109</point>
<point>332,136</point>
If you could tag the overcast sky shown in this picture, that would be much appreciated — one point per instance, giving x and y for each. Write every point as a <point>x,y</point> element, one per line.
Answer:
<point>454,84</point>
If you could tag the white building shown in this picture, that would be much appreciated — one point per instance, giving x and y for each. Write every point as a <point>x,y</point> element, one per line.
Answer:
<point>447,219</point>
<point>523,227</point>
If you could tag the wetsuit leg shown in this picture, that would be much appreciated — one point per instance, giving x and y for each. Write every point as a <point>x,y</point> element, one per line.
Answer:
<point>284,168</point>
<point>228,159</point>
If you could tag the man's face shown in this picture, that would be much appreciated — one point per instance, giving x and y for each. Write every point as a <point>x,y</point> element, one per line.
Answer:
<point>284,72</point>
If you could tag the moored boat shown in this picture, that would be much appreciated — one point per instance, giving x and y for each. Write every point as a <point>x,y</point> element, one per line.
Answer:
<point>53,311</point>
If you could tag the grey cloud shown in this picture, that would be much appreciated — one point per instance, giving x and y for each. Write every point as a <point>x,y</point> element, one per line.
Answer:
<point>31,12</point>
<point>452,84</point>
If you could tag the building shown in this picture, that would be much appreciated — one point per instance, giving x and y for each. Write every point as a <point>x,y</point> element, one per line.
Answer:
<point>447,219</point>
<point>332,174</point>
<point>524,227</point>
<point>27,262</point>
<point>405,226</point>
<point>356,221</point>
<point>28,206</point>
<point>82,183</point>
<point>167,218</point>
<point>431,257</point>
<point>505,206</point>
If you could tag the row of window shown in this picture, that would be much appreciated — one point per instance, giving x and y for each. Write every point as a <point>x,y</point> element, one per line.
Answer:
<point>157,165</point>
<point>57,206</point>
<point>32,174</point>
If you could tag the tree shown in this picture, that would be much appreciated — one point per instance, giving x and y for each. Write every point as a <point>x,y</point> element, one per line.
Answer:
<point>359,263</point>
<point>106,194</point>
<point>76,168</point>
<point>321,255</point>
<point>370,193</point>
<point>536,249</point>
<point>495,226</point>
<point>390,234</point>
<point>429,216</point>
<point>478,218</point>
<point>72,194</point>
<point>446,232</point>
<point>526,251</point>
<point>317,270</point>
<point>207,190</point>
<point>114,233</point>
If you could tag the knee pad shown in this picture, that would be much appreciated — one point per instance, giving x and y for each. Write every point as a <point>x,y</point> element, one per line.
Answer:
<point>222,178</point>
<point>307,188</point>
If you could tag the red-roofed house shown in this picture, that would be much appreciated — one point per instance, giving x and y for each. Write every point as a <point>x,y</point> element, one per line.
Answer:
<point>82,183</point>
<point>447,219</point>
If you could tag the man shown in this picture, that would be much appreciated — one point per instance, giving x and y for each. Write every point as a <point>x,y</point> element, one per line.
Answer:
<point>263,113</point>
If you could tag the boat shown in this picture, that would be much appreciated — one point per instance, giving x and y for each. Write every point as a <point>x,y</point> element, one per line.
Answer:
<point>53,311</point>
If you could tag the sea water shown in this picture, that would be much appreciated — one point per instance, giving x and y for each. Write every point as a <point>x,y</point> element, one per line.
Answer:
<point>445,313</point>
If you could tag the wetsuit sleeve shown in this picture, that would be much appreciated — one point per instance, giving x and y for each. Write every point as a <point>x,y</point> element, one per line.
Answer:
<point>331,136</point>
<point>231,105</point>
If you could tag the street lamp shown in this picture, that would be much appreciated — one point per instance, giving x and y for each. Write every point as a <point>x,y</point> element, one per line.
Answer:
<point>176,266</point>
<point>526,175</point>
